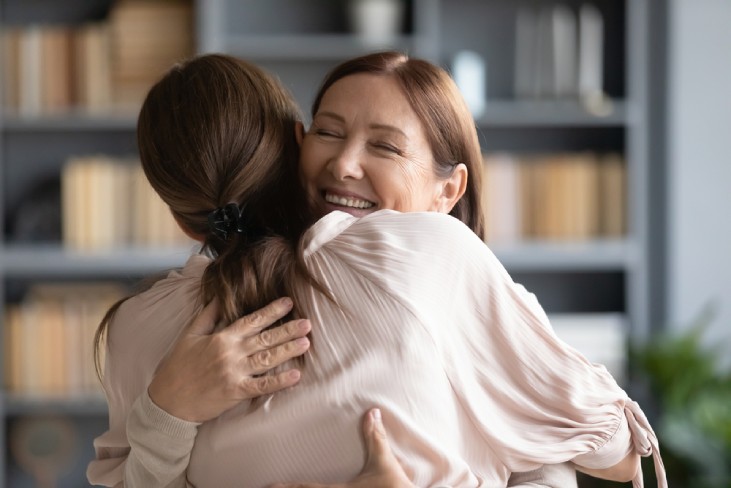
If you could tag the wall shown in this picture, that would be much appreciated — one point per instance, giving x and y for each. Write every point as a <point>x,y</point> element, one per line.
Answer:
<point>699,164</point>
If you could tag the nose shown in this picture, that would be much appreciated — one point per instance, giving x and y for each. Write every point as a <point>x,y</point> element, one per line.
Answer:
<point>346,163</point>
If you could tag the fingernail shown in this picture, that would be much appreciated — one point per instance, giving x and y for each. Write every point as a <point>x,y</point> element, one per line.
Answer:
<point>286,302</point>
<point>376,414</point>
<point>294,374</point>
<point>302,341</point>
<point>303,324</point>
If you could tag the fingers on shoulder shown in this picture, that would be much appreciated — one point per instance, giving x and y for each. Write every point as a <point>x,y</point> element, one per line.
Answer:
<point>271,383</point>
<point>264,317</point>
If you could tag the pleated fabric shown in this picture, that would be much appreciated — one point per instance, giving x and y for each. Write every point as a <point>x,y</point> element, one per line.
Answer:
<point>427,325</point>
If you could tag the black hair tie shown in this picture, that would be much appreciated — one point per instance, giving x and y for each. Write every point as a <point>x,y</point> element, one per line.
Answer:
<point>226,220</point>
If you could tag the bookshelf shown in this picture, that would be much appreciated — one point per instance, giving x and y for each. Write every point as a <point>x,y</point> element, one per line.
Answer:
<point>299,41</point>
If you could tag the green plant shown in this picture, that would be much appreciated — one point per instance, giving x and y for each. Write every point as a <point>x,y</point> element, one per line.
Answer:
<point>693,391</point>
<point>691,388</point>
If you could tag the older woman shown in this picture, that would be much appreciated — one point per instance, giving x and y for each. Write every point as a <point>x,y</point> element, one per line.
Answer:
<point>410,312</point>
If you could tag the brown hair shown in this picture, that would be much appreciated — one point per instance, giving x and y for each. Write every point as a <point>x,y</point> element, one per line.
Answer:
<point>448,123</point>
<point>217,130</point>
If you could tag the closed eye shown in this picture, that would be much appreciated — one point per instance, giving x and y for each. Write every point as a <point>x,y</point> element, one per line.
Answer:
<point>382,146</point>
<point>327,133</point>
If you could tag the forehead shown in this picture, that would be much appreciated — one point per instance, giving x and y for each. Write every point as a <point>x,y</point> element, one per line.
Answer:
<point>376,98</point>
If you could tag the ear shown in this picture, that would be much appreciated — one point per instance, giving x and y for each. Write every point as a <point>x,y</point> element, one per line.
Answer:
<point>452,189</point>
<point>299,132</point>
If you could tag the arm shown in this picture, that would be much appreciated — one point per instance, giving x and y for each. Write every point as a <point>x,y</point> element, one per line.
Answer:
<point>557,405</point>
<point>205,374</point>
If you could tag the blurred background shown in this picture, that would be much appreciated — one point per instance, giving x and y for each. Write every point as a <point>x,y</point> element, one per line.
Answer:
<point>606,131</point>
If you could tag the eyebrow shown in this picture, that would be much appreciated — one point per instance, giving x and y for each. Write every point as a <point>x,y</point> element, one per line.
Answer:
<point>341,119</point>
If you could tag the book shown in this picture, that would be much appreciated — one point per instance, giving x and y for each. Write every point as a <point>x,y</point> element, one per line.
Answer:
<point>526,53</point>
<point>92,68</point>
<point>501,198</point>
<point>13,347</point>
<point>30,71</point>
<point>50,335</point>
<point>56,73</point>
<point>612,196</point>
<point>564,56</point>
<point>10,39</point>
<point>147,38</point>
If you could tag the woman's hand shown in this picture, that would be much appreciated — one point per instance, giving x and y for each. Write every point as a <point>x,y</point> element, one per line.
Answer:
<point>382,469</point>
<point>208,372</point>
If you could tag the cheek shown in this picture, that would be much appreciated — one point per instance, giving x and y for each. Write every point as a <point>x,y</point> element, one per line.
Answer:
<point>412,189</point>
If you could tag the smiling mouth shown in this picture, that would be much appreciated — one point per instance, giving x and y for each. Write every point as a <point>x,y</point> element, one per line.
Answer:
<point>348,201</point>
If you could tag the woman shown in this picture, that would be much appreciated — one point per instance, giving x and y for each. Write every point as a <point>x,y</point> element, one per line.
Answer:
<point>219,458</point>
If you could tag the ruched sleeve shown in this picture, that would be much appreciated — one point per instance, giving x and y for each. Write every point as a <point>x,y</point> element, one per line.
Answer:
<point>557,405</point>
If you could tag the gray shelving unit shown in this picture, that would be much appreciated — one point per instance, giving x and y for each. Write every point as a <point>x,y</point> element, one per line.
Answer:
<point>299,41</point>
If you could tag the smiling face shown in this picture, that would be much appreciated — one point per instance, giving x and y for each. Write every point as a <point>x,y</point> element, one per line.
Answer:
<point>366,150</point>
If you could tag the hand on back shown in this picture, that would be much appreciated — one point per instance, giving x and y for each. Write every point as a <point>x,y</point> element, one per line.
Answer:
<point>382,469</point>
<point>208,372</point>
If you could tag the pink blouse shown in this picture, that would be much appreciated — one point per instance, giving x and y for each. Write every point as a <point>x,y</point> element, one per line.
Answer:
<point>471,380</point>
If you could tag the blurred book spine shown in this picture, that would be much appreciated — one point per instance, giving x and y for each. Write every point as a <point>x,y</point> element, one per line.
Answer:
<point>558,197</point>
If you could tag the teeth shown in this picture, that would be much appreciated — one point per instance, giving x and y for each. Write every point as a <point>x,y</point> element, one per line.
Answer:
<point>348,202</point>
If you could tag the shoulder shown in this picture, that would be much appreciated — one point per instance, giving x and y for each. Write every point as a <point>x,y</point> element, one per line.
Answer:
<point>415,231</point>
<point>156,315</point>
<point>416,254</point>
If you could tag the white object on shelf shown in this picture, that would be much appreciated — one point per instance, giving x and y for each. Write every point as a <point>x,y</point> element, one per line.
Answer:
<point>470,74</point>
<point>565,51</point>
<point>591,61</point>
<point>376,22</point>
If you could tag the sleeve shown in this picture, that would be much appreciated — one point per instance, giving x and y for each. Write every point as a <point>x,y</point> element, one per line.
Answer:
<point>160,447</point>
<point>556,405</point>
<point>157,453</point>
<point>143,446</point>
<point>534,399</point>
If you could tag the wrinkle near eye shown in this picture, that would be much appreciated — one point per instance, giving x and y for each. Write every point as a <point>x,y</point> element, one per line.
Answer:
<point>415,172</point>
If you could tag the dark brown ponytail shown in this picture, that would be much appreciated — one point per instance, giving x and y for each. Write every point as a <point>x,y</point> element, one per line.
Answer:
<point>216,131</point>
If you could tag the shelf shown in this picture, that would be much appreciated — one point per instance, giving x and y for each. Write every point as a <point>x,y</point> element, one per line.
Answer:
<point>498,113</point>
<point>333,47</point>
<point>85,405</point>
<point>600,255</point>
<point>553,113</point>
<point>70,122</point>
<point>51,261</point>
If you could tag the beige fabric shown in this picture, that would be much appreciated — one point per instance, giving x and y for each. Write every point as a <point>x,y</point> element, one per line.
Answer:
<point>471,380</point>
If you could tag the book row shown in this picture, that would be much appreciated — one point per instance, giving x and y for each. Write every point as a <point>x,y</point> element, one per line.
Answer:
<point>563,197</point>
<point>94,67</point>
<point>108,203</point>
<point>48,338</point>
